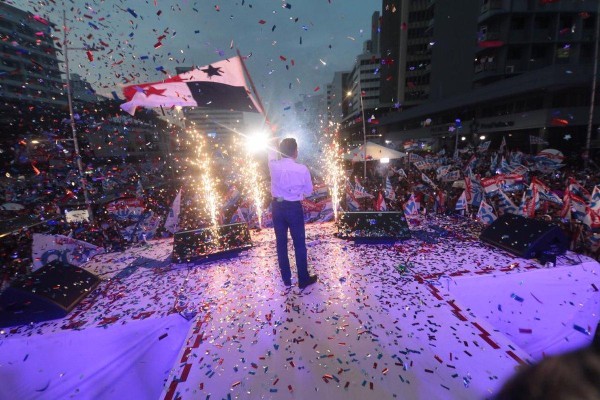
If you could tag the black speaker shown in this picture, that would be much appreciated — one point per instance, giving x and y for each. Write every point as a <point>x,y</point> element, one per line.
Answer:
<point>526,237</point>
<point>373,226</point>
<point>211,243</point>
<point>50,292</point>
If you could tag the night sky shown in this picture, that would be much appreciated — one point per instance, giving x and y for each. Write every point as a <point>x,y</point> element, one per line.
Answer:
<point>292,47</point>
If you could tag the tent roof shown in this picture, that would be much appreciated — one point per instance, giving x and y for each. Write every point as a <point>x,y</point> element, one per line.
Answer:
<point>374,152</point>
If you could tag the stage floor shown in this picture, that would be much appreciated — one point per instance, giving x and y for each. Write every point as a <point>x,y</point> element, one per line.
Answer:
<point>438,316</point>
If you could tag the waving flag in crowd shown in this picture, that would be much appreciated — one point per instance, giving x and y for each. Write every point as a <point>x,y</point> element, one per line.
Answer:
<point>380,203</point>
<point>505,204</point>
<point>486,213</point>
<point>577,189</point>
<point>544,191</point>
<point>595,199</point>
<point>411,208</point>
<point>461,203</point>
<point>389,190</point>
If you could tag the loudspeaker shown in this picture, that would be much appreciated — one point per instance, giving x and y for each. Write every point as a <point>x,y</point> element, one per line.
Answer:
<point>50,292</point>
<point>373,226</point>
<point>526,237</point>
<point>211,243</point>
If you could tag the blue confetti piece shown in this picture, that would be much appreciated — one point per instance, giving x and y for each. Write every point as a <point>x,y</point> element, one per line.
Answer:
<point>581,329</point>
<point>500,307</point>
<point>130,11</point>
<point>517,298</point>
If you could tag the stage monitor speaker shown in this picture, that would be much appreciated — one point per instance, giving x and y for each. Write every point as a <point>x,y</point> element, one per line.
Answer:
<point>211,243</point>
<point>50,292</point>
<point>373,226</point>
<point>526,237</point>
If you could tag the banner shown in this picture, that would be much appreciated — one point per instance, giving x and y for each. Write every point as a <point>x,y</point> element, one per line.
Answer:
<point>126,209</point>
<point>47,248</point>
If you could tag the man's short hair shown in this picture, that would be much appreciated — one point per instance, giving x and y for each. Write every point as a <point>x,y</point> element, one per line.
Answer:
<point>288,147</point>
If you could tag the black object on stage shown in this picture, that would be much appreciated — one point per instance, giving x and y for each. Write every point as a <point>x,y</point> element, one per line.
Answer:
<point>373,226</point>
<point>50,292</point>
<point>211,243</point>
<point>526,237</point>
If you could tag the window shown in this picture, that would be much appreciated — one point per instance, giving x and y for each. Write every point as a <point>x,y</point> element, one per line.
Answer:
<point>538,52</point>
<point>542,22</point>
<point>514,53</point>
<point>517,22</point>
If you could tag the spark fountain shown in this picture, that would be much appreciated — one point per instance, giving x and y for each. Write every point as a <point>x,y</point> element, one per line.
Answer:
<point>333,169</point>
<point>251,181</point>
<point>211,241</point>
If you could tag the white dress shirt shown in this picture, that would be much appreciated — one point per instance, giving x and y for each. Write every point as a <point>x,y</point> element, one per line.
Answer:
<point>289,180</point>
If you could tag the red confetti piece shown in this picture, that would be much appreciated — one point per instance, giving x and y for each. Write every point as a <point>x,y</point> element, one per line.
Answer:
<point>282,58</point>
<point>90,56</point>
<point>262,22</point>
<point>317,88</point>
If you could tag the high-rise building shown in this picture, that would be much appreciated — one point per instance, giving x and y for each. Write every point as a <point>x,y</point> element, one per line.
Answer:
<point>335,98</point>
<point>515,37</point>
<point>361,91</point>
<point>530,75</point>
<point>426,50</point>
<point>29,67</point>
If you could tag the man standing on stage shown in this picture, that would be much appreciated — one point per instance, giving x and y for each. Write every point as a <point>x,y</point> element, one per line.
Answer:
<point>290,182</point>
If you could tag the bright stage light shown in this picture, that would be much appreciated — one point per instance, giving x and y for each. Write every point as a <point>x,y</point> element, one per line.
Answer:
<point>257,141</point>
<point>384,160</point>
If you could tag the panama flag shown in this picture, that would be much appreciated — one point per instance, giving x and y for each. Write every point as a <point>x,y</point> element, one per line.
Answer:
<point>220,85</point>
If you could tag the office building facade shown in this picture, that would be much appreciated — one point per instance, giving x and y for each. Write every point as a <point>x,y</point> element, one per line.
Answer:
<point>531,75</point>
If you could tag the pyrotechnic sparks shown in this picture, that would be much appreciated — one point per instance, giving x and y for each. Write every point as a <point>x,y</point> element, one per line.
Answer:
<point>333,169</point>
<point>206,184</point>
<point>252,182</point>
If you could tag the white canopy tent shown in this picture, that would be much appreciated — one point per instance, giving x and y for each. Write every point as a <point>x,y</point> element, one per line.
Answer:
<point>374,152</point>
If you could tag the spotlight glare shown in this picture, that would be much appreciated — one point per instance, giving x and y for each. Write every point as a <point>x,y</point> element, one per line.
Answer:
<point>257,141</point>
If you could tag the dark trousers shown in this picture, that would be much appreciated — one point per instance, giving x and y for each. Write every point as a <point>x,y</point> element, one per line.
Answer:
<point>289,215</point>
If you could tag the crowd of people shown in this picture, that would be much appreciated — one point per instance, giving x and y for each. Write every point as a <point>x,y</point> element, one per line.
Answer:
<point>392,186</point>
<point>40,201</point>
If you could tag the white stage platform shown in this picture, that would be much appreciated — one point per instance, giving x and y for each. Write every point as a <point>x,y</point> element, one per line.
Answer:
<point>438,316</point>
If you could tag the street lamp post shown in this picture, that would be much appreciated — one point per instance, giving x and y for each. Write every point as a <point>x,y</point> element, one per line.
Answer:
<point>82,179</point>
<point>364,126</point>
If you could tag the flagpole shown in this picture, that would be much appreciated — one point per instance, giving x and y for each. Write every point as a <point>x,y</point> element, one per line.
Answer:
<point>588,139</point>
<point>260,104</point>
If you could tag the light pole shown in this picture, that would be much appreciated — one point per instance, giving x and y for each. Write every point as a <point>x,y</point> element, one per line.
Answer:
<point>364,126</point>
<point>82,180</point>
